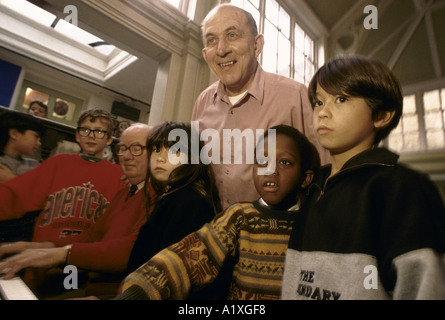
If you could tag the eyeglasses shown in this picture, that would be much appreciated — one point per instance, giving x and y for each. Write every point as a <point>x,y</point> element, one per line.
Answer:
<point>97,133</point>
<point>135,149</point>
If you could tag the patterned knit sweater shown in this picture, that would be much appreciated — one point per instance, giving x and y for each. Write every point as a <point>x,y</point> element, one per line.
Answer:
<point>254,235</point>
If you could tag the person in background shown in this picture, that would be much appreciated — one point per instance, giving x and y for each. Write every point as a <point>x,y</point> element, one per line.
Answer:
<point>71,191</point>
<point>104,248</point>
<point>253,234</point>
<point>20,136</point>
<point>245,97</point>
<point>38,109</point>
<point>371,228</point>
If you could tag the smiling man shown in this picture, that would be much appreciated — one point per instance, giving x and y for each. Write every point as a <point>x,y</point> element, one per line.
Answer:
<point>245,97</point>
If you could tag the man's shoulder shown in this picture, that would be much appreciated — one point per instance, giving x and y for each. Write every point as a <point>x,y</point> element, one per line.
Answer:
<point>278,80</point>
<point>210,90</point>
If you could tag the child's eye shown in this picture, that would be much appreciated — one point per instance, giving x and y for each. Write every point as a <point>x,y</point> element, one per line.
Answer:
<point>155,149</point>
<point>342,99</point>
<point>318,103</point>
<point>284,162</point>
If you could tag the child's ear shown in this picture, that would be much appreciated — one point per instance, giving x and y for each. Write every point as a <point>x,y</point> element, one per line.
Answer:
<point>109,140</point>
<point>13,134</point>
<point>308,176</point>
<point>383,119</point>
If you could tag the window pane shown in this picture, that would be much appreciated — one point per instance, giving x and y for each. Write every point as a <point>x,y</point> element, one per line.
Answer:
<point>299,38</point>
<point>410,123</point>
<point>284,22</point>
<point>269,60</point>
<point>395,142</point>
<point>256,3</point>
<point>409,104</point>
<point>309,71</point>
<point>270,47</point>
<point>238,3</point>
<point>283,56</point>
<point>272,11</point>
<point>435,139</point>
<point>299,66</point>
<point>411,141</point>
<point>309,48</point>
<point>431,100</point>
<point>433,120</point>
<point>443,98</point>
<point>254,12</point>
<point>174,2</point>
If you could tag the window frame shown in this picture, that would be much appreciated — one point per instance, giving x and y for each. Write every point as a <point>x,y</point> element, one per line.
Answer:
<point>419,92</point>
<point>317,41</point>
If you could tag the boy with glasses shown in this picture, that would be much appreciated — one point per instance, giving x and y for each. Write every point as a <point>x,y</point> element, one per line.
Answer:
<point>71,191</point>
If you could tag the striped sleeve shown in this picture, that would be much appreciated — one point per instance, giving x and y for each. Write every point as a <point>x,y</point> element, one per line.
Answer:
<point>192,263</point>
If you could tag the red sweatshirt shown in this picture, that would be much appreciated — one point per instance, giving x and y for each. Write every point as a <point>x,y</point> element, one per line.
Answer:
<point>106,246</point>
<point>72,192</point>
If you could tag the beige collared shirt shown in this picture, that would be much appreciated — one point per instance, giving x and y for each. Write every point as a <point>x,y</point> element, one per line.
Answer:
<point>271,100</point>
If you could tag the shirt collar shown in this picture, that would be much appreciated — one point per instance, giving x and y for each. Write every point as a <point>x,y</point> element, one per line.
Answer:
<point>295,207</point>
<point>256,88</point>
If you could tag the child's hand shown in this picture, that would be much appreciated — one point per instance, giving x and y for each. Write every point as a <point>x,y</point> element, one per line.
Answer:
<point>5,173</point>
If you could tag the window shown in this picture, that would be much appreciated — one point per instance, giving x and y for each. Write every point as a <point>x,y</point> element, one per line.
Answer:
<point>61,107</point>
<point>422,126</point>
<point>187,7</point>
<point>65,28</point>
<point>288,49</point>
<point>434,105</point>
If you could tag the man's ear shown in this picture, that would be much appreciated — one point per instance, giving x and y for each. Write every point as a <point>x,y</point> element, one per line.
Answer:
<point>204,54</point>
<point>383,119</point>
<point>308,177</point>
<point>259,45</point>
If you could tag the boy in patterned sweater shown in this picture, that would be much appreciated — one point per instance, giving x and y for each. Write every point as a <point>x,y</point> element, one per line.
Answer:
<point>253,236</point>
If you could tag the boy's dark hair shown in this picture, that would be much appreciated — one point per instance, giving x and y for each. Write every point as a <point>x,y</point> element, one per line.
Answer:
<point>19,121</point>
<point>199,176</point>
<point>367,78</point>
<point>309,157</point>
<point>94,114</point>
<point>40,103</point>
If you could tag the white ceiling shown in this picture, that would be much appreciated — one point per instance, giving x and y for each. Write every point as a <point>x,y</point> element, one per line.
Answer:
<point>410,38</point>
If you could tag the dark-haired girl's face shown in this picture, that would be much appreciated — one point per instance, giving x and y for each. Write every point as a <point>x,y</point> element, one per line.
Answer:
<point>280,187</point>
<point>160,165</point>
